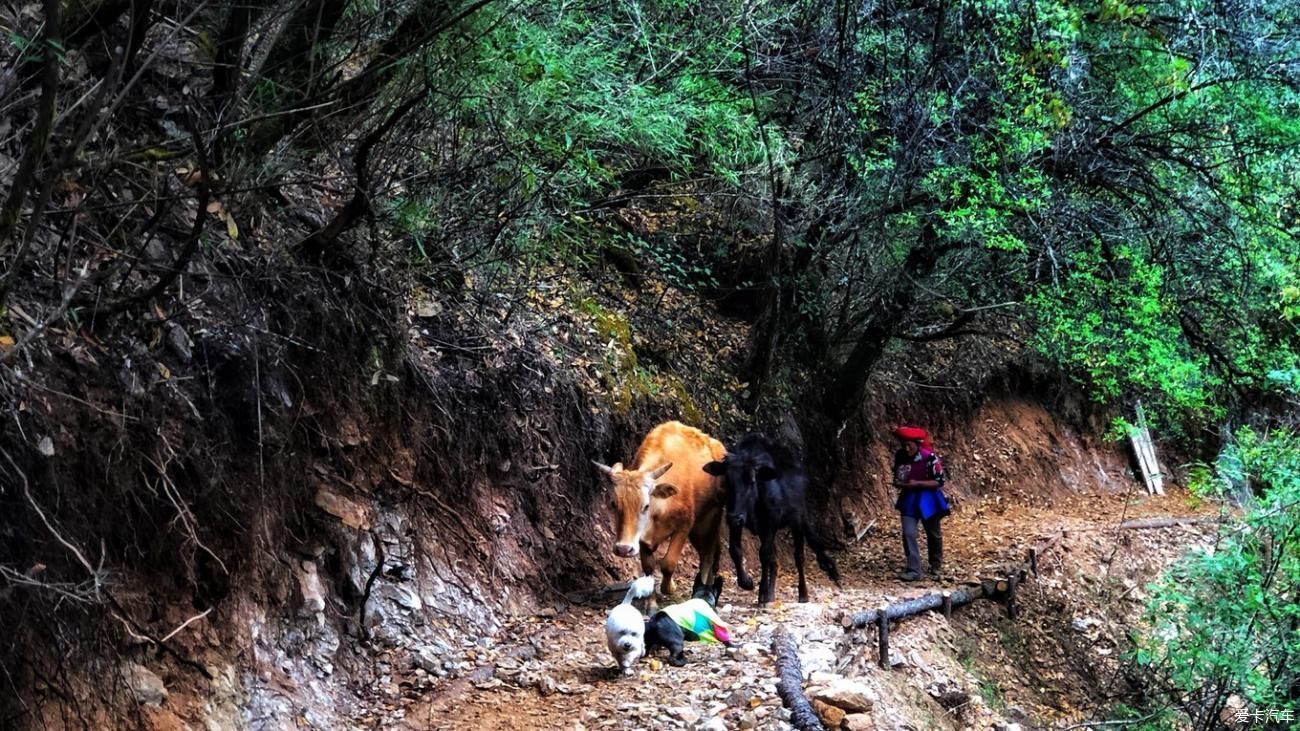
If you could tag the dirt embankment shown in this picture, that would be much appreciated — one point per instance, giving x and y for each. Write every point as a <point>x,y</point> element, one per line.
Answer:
<point>233,527</point>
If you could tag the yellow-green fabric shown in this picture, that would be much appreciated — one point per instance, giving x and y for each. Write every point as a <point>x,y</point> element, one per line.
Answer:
<point>696,617</point>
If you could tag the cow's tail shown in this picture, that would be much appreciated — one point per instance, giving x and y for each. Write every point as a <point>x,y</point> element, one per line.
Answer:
<point>642,588</point>
<point>824,559</point>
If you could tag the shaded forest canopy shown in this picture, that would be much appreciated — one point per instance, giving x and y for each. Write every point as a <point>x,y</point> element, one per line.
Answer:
<point>1108,185</point>
<point>215,213</point>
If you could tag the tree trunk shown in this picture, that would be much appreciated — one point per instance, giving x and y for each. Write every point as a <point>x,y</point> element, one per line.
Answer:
<point>31,163</point>
<point>844,396</point>
<point>141,22</point>
<point>321,246</point>
<point>827,413</point>
<point>229,65</point>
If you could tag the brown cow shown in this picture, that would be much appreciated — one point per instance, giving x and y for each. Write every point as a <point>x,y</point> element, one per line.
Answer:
<point>667,496</point>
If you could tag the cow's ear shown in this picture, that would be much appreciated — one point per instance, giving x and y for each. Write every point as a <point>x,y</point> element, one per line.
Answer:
<point>663,491</point>
<point>659,471</point>
<point>767,473</point>
<point>715,468</point>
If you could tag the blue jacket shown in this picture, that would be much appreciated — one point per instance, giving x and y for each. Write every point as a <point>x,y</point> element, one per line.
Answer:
<point>921,503</point>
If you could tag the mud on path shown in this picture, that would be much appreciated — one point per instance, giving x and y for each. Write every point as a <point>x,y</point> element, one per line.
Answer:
<point>554,672</point>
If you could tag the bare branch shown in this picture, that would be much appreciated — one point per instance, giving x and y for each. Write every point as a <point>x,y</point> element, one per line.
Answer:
<point>36,144</point>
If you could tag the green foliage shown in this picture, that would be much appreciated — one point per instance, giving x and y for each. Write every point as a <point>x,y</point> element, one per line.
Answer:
<point>1229,618</point>
<point>35,50</point>
<point>991,693</point>
<point>1127,177</point>
<point>1179,293</point>
<point>676,268</point>
<point>415,218</point>
<point>1123,334</point>
<point>577,99</point>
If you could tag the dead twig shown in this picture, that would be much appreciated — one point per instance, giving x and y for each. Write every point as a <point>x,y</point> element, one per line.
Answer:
<point>1120,722</point>
<point>182,509</point>
<point>83,402</point>
<point>135,629</point>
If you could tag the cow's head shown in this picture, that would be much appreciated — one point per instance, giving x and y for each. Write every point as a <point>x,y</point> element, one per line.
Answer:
<point>633,491</point>
<point>745,471</point>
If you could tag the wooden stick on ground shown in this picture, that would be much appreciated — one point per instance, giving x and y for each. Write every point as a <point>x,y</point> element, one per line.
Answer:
<point>882,629</point>
<point>790,683</point>
<point>910,607</point>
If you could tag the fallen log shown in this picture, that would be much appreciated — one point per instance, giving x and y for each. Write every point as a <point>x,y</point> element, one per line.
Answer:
<point>858,620</point>
<point>1001,590</point>
<point>790,682</point>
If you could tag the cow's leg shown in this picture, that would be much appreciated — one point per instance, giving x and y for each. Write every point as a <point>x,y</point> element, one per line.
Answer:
<point>707,540</point>
<point>715,565</point>
<point>767,557</point>
<point>676,545</point>
<point>798,562</point>
<point>735,546</point>
<point>647,560</point>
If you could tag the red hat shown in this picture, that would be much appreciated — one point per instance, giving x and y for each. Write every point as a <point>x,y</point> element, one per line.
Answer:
<point>913,434</point>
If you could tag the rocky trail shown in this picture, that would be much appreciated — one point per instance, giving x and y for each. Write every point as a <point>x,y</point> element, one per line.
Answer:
<point>979,670</point>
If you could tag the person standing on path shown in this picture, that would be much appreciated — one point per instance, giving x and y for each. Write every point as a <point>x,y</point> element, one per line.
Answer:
<point>918,474</point>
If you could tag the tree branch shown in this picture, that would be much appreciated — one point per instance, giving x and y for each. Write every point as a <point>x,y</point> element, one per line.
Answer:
<point>36,145</point>
<point>191,245</point>
<point>314,246</point>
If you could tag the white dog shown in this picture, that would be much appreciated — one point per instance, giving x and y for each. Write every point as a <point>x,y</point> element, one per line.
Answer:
<point>625,626</point>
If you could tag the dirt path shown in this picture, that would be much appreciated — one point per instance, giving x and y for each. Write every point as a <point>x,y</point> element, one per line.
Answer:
<point>557,674</point>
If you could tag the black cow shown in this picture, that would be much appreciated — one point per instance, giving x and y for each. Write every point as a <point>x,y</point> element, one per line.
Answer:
<point>766,488</point>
